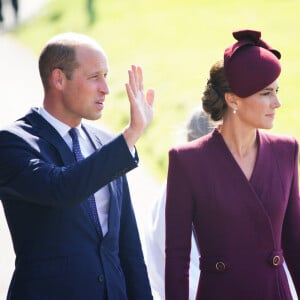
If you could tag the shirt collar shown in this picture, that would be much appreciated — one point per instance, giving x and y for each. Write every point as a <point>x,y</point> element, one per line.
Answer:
<point>61,128</point>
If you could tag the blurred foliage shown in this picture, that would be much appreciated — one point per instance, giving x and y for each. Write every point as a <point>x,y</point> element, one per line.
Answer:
<point>175,42</point>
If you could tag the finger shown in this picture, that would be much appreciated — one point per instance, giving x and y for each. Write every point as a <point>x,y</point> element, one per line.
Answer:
<point>135,75</point>
<point>132,82</point>
<point>150,96</point>
<point>140,80</point>
<point>130,93</point>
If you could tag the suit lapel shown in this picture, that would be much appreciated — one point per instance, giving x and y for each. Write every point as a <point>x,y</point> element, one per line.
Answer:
<point>93,136</point>
<point>49,133</point>
<point>87,210</point>
<point>113,207</point>
<point>98,138</point>
<point>97,142</point>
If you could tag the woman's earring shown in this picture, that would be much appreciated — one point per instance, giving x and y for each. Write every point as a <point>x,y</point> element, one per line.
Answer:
<point>235,110</point>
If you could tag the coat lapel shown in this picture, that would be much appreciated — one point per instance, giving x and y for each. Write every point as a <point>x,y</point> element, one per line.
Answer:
<point>98,140</point>
<point>268,186</point>
<point>245,196</point>
<point>47,132</point>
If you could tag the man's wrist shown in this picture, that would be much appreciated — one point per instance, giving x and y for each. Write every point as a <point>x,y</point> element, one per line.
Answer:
<point>131,137</point>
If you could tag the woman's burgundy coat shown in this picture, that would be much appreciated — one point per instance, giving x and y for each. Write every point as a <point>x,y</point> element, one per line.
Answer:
<point>245,228</point>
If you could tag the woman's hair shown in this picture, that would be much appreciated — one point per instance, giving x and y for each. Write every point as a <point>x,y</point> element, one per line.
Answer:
<point>213,99</point>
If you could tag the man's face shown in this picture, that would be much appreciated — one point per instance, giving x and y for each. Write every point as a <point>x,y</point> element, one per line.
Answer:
<point>84,93</point>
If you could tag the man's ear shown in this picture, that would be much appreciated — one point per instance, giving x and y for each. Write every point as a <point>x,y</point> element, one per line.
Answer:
<point>57,79</point>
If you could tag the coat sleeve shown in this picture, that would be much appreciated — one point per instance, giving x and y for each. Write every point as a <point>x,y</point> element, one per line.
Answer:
<point>291,228</point>
<point>179,211</point>
<point>131,255</point>
<point>32,170</point>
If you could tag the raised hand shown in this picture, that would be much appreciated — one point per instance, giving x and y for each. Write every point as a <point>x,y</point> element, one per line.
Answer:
<point>141,106</point>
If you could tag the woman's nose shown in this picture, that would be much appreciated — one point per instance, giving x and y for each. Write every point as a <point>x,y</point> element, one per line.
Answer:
<point>276,103</point>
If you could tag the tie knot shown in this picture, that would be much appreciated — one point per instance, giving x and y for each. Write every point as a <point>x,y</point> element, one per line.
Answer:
<point>73,132</point>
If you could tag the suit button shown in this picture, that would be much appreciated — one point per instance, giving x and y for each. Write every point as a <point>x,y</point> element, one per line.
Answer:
<point>276,260</point>
<point>220,266</point>
<point>101,278</point>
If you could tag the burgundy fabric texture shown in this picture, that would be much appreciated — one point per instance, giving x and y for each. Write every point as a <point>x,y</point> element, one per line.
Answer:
<point>250,64</point>
<point>244,228</point>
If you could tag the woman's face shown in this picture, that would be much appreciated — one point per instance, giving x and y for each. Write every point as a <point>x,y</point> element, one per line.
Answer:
<point>258,110</point>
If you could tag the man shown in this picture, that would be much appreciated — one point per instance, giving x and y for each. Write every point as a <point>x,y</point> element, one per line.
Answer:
<point>65,195</point>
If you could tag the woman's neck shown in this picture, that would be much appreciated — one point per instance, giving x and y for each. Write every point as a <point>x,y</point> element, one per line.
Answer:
<point>239,141</point>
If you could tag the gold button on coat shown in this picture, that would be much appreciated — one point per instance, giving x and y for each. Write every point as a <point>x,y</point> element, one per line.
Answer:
<point>220,266</point>
<point>276,260</point>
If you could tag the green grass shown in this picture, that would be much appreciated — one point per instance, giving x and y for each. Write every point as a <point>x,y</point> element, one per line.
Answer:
<point>175,42</point>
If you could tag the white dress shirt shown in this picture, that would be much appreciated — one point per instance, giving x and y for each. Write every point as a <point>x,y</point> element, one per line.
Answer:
<point>102,196</point>
<point>154,251</point>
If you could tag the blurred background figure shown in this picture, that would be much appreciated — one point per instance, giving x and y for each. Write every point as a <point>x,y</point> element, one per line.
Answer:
<point>15,6</point>
<point>198,125</point>
<point>91,12</point>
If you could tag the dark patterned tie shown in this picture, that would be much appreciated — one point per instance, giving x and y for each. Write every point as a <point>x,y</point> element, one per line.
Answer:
<point>91,199</point>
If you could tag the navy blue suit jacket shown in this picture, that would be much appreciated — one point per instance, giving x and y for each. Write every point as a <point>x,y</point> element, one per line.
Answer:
<point>59,254</point>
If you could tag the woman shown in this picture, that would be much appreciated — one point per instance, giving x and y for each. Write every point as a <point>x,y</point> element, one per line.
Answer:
<point>154,230</point>
<point>237,187</point>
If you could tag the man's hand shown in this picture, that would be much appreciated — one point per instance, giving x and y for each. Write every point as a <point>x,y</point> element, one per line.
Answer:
<point>141,106</point>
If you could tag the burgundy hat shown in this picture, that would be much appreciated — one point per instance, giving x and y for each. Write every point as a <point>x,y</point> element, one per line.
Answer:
<point>250,64</point>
